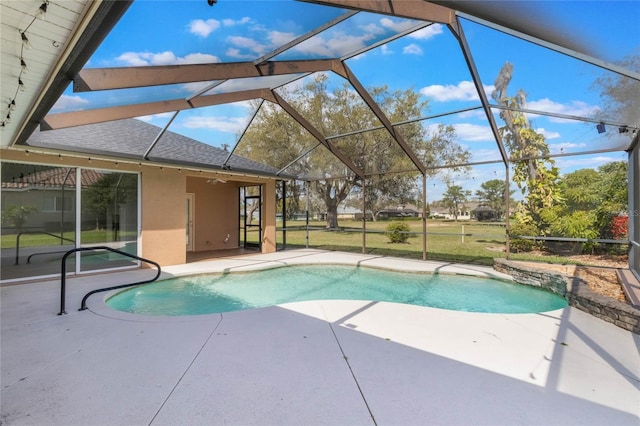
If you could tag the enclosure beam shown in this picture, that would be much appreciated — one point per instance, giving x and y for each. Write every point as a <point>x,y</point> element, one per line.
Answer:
<point>102,115</point>
<point>377,111</point>
<point>424,216</point>
<point>316,134</point>
<point>305,36</point>
<point>555,45</point>
<point>507,212</point>
<point>157,138</point>
<point>414,9</point>
<point>253,117</point>
<point>364,216</point>
<point>284,215</point>
<point>466,52</point>
<point>92,79</point>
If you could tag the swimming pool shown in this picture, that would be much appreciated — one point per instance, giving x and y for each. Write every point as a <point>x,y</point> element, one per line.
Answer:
<point>217,293</point>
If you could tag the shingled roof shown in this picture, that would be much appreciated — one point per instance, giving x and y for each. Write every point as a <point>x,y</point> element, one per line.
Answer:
<point>131,138</point>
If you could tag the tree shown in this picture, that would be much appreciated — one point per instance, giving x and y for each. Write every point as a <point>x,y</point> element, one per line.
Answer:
<point>106,195</point>
<point>276,139</point>
<point>619,94</point>
<point>593,206</point>
<point>533,172</point>
<point>454,199</point>
<point>492,194</point>
<point>17,216</point>
<point>578,189</point>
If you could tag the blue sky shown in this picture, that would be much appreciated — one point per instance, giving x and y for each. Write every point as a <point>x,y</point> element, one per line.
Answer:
<point>429,61</point>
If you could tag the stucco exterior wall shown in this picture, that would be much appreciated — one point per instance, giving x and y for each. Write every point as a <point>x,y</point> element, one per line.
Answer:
<point>163,205</point>
<point>163,216</point>
<point>217,214</point>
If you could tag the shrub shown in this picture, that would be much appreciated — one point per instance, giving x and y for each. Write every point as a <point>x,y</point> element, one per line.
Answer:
<point>398,232</point>
<point>525,230</point>
<point>619,227</point>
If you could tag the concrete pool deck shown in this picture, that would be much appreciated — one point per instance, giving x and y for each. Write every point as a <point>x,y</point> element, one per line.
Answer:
<point>307,363</point>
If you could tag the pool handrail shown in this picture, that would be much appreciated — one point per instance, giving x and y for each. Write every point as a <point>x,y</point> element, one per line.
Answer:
<point>60,237</point>
<point>83,305</point>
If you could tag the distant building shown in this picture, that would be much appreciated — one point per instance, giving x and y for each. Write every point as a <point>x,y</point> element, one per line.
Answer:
<point>482,213</point>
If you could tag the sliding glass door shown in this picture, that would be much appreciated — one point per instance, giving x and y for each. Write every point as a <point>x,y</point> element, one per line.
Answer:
<point>48,210</point>
<point>109,212</point>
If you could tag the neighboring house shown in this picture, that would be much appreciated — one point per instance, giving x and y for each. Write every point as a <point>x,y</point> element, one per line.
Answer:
<point>398,212</point>
<point>184,196</point>
<point>466,211</point>
<point>482,213</point>
<point>350,213</point>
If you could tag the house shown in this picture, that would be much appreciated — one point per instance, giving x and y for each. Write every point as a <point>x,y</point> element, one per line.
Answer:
<point>400,211</point>
<point>159,198</point>
<point>482,213</point>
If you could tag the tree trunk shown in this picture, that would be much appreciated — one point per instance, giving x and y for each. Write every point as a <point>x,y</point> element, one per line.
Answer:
<point>332,215</point>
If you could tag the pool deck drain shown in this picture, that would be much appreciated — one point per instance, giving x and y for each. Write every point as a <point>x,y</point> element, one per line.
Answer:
<point>283,365</point>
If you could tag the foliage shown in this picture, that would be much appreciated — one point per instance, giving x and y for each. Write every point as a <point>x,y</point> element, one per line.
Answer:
<point>601,195</point>
<point>493,195</point>
<point>619,94</point>
<point>619,227</point>
<point>398,232</point>
<point>105,195</point>
<point>17,216</point>
<point>525,230</point>
<point>454,199</point>
<point>275,138</point>
<point>534,173</point>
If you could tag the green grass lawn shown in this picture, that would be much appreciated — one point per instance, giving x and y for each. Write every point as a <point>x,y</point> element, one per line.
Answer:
<point>482,242</point>
<point>41,239</point>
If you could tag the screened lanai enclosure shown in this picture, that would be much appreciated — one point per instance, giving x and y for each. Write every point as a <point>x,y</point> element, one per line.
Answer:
<point>459,131</point>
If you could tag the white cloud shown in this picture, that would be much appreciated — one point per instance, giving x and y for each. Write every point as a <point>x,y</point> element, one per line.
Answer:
<point>397,26</point>
<point>278,38</point>
<point>221,124</point>
<point>412,49</point>
<point>548,134</point>
<point>385,50</point>
<point>69,103</point>
<point>473,132</point>
<point>480,155</point>
<point>340,44</point>
<point>464,91</point>
<point>372,29</point>
<point>232,22</point>
<point>135,59</point>
<point>138,59</point>
<point>247,43</point>
<point>577,108</point>
<point>427,32</point>
<point>232,52</point>
<point>203,28</point>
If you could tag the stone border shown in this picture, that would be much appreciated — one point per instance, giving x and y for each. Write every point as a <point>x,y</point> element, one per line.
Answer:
<point>575,291</point>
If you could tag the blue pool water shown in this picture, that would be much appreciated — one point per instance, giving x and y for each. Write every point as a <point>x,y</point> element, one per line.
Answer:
<point>216,293</point>
<point>207,294</point>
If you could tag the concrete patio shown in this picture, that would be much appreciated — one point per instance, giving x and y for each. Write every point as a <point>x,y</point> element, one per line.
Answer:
<point>308,363</point>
